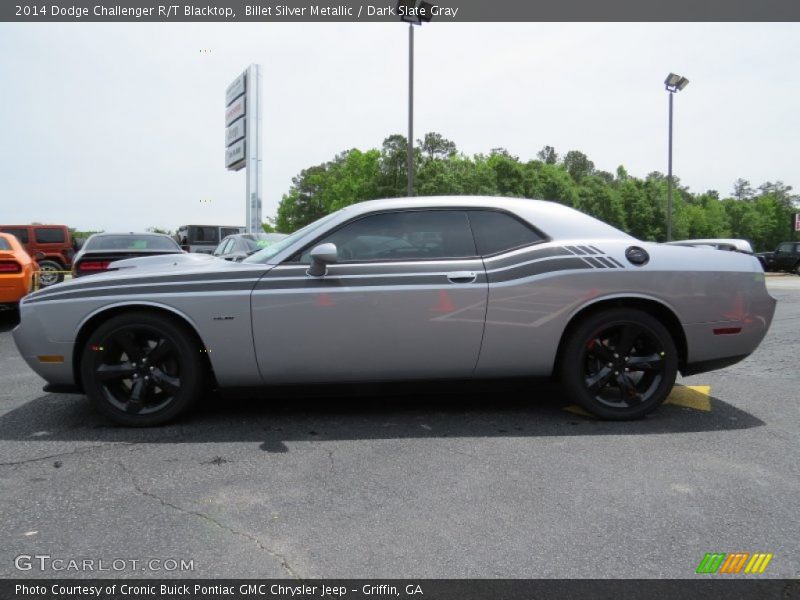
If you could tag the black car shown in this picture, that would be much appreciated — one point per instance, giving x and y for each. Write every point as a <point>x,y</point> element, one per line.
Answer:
<point>240,245</point>
<point>785,258</point>
<point>101,249</point>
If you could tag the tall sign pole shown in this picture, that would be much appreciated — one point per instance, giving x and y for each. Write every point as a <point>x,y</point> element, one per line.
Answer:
<point>669,174</point>
<point>410,145</point>
<point>243,138</point>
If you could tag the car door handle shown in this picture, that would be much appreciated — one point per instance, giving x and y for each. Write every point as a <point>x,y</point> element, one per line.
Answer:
<point>462,276</point>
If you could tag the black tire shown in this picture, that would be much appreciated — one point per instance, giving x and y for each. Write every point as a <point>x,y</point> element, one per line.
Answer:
<point>142,369</point>
<point>796,269</point>
<point>619,364</point>
<point>47,274</point>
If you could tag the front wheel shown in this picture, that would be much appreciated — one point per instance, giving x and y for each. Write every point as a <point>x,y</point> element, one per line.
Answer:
<point>142,369</point>
<point>619,364</point>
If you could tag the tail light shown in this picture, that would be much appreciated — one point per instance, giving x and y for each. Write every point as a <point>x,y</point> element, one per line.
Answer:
<point>9,266</point>
<point>94,265</point>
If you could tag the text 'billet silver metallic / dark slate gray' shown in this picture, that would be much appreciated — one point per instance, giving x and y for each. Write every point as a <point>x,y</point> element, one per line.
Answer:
<point>445,11</point>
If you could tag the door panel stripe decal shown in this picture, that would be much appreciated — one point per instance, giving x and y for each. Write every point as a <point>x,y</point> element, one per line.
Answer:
<point>500,269</point>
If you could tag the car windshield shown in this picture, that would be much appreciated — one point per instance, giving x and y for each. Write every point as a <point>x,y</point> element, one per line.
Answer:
<point>257,241</point>
<point>265,254</point>
<point>131,242</point>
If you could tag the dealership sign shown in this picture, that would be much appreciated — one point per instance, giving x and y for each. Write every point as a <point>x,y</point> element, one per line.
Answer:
<point>243,138</point>
<point>235,154</point>
<point>235,132</point>
<point>797,221</point>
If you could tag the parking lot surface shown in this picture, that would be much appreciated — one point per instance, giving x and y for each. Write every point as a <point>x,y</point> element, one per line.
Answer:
<point>489,479</point>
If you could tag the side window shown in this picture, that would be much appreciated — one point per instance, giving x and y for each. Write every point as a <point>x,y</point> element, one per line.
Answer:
<point>225,248</point>
<point>20,234</point>
<point>412,235</point>
<point>497,232</point>
<point>785,248</point>
<point>49,236</point>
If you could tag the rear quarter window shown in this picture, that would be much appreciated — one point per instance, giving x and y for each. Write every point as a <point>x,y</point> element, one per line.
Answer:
<point>49,236</point>
<point>497,232</point>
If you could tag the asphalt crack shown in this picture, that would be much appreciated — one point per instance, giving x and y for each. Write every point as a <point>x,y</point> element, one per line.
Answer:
<point>332,462</point>
<point>80,450</point>
<point>282,560</point>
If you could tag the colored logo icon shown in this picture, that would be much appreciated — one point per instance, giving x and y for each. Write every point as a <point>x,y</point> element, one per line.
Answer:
<point>734,563</point>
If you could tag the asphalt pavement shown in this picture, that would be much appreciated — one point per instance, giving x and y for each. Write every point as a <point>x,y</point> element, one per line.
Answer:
<point>497,479</point>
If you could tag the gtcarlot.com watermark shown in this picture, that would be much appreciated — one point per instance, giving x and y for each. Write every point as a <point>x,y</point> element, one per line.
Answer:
<point>47,563</point>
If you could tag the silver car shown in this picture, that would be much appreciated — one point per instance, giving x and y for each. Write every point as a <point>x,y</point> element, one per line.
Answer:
<point>404,289</point>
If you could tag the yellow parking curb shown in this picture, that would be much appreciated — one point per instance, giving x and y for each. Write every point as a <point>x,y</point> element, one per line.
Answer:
<point>577,410</point>
<point>697,397</point>
<point>691,396</point>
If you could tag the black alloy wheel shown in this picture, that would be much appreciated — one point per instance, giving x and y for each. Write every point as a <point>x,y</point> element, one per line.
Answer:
<point>142,369</point>
<point>620,364</point>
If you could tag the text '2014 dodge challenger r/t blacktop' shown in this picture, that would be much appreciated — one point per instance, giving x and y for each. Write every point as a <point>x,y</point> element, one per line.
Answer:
<point>404,289</point>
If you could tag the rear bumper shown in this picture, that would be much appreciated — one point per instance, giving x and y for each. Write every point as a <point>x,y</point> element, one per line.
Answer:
<point>12,289</point>
<point>711,365</point>
<point>714,345</point>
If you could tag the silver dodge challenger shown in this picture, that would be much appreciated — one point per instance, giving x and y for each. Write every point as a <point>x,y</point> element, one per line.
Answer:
<point>403,289</point>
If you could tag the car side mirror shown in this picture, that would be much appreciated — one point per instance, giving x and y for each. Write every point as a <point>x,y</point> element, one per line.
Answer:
<point>321,257</point>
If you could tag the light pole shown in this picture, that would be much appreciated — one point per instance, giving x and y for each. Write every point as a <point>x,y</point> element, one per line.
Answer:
<point>413,13</point>
<point>673,83</point>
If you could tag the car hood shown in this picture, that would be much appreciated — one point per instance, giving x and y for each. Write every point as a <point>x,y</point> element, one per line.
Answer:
<point>165,261</point>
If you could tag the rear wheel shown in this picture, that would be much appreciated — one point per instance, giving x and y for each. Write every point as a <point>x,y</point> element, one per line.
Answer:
<point>49,273</point>
<point>619,364</point>
<point>142,369</point>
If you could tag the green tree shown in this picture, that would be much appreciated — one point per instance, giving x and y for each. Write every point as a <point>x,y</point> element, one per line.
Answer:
<point>434,146</point>
<point>548,155</point>
<point>634,204</point>
<point>578,165</point>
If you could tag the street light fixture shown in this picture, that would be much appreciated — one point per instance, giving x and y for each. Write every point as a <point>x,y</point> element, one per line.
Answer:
<point>673,83</point>
<point>412,12</point>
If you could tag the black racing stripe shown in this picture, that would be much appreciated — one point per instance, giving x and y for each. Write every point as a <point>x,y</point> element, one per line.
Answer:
<point>148,290</point>
<point>607,262</point>
<point>331,281</point>
<point>616,262</point>
<point>577,250</point>
<point>596,249</point>
<point>80,284</point>
<point>587,249</point>
<point>509,261</point>
<point>594,262</point>
<point>537,268</point>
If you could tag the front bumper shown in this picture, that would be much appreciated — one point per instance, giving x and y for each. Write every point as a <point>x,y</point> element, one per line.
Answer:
<point>50,359</point>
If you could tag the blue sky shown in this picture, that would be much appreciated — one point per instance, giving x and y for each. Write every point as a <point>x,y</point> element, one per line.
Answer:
<point>119,126</point>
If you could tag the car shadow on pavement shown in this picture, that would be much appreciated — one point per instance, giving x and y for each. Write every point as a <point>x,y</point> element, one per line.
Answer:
<point>9,318</point>
<point>515,408</point>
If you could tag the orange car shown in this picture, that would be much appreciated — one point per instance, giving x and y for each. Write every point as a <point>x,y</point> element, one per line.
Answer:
<point>16,270</point>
